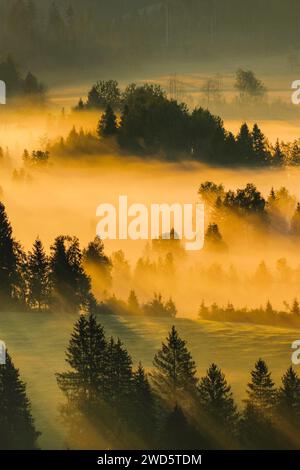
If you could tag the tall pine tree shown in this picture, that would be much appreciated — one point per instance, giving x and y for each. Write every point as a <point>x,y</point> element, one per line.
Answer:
<point>257,428</point>
<point>174,374</point>
<point>118,374</point>
<point>71,287</point>
<point>288,408</point>
<point>107,126</point>
<point>83,385</point>
<point>86,355</point>
<point>17,430</point>
<point>295,222</point>
<point>259,146</point>
<point>97,263</point>
<point>12,265</point>
<point>143,408</point>
<point>217,402</point>
<point>38,275</point>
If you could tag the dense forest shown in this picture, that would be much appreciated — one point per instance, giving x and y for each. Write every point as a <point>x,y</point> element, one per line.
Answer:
<point>76,32</point>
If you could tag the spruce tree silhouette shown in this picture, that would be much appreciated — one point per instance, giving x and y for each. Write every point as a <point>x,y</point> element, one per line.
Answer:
<point>143,408</point>
<point>38,274</point>
<point>12,264</point>
<point>256,427</point>
<point>97,263</point>
<point>119,377</point>
<point>86,355</point>
<point>288,409</point>
<point>107,126</point>
<point>295,222</point>
<point>83,385</point>
<point>216,401</point>
<point>174,374</point>
<point>71,287</point>
<point>17,430</point>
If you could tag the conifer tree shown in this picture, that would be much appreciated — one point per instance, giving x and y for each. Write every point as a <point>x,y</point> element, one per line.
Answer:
<point>288,399</point>
<point>257,430</point>
<point>38,277</point>
<point>85,414</point>
<point>71,286</point>
<point>86,355</point>
<point>174,372</point>
<point>278,155</point>
<point>97,263</point>
<point>259,145</point>
<point>133,303</point>
<point>12,264</point>
<point>245,144</point>
<point>216,399</point>
<point>295,222</point>
<point>288,410</point>
<point>107,126</point>
<point>143,407</point>
<point>17,430</point>
<point>214,239</point>
<point>261,390</point>
<point>118,382</point>
<point>295,310</point>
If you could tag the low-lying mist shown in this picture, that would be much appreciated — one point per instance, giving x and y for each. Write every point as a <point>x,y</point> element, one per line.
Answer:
<point>62,197</point>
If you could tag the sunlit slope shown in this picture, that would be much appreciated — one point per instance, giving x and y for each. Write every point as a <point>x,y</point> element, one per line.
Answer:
<point>37,344</point>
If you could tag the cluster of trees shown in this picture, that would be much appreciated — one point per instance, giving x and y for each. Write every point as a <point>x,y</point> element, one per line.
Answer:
<point>65,279</point>
<point>102,94</point>
<point>111,404</point>
<point>249,86</point>
<point>260,316</point>
<point>243,201</point>
<point>17,85</point>
<point>36,158</point>
<point>79,143</point>
<point>107,93</point>
<point>150,123</point>
<point>279,211</point>
<point>40,282</point>
<point>156,307</point>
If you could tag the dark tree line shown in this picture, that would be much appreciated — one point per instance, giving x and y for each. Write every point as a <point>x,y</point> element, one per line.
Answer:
<point>156,307</point>
<point>138,31</point>
<point>16,84</point>
<point>40,282</point>
<point>150,123</point>
<point>267,315</point>
<point>108,402</point>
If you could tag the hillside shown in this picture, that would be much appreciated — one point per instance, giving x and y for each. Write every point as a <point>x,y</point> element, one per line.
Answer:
<point>37,344</point>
